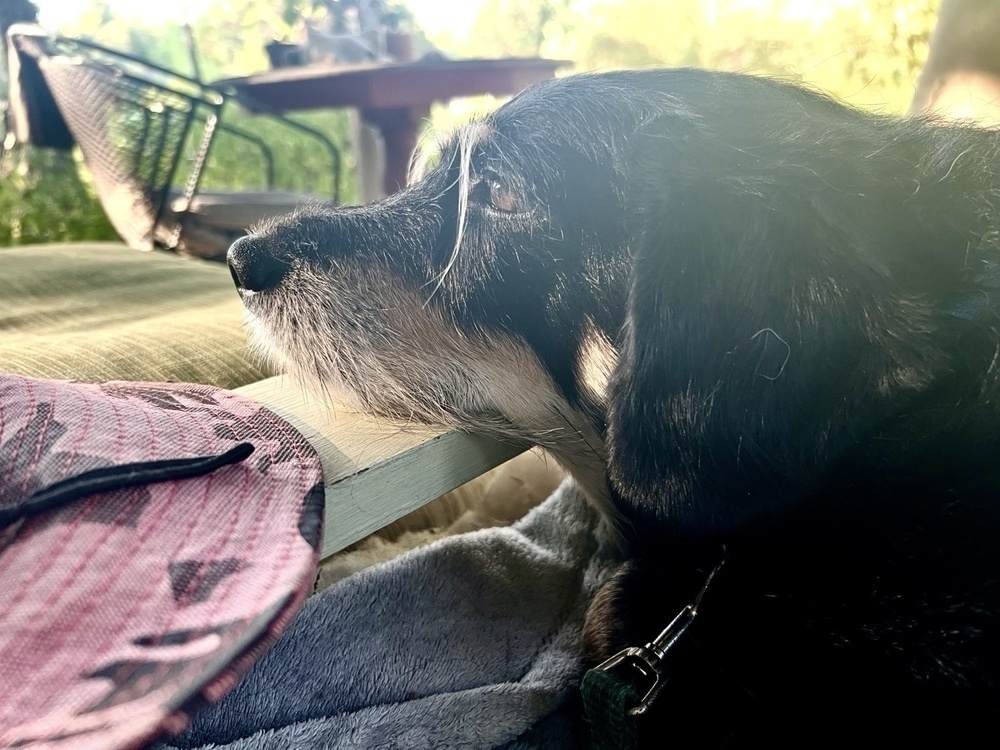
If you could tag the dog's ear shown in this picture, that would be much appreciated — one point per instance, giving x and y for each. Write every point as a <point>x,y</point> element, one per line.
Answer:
<point>765,337</point>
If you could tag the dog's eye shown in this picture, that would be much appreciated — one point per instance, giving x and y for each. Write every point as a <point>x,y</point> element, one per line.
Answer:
<point>502,198</point>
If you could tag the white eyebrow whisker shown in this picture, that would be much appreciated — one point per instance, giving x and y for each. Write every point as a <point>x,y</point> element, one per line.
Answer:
<point>467,139</point>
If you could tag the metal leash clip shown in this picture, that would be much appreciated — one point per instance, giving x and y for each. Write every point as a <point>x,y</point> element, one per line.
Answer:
<point>648,660</point>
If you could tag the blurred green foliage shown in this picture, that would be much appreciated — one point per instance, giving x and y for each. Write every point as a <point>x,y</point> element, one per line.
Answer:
<point>237,163</point>
<point>866,52</point>
<point>44,199</point>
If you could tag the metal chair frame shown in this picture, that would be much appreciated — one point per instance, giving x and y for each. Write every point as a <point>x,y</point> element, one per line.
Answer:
<point>165,95</point>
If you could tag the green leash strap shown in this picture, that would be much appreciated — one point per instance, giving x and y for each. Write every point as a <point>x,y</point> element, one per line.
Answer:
<point>613,705</point>
<point>607,700</point>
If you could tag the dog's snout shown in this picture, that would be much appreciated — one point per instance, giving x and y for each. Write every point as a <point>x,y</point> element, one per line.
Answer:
<point>254,265</point>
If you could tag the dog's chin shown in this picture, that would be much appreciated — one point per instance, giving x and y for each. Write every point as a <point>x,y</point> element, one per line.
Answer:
<point>380,349</point>
<point>265,348</point>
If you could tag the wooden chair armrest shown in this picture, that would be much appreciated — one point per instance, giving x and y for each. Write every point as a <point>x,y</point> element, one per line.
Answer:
<point>376,470</point>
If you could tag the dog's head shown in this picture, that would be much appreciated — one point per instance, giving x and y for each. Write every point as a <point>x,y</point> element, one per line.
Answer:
<point>705,287</point>
<point>488,294</point>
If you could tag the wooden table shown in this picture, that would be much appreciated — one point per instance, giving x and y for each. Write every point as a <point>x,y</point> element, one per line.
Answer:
<point>393,97</point>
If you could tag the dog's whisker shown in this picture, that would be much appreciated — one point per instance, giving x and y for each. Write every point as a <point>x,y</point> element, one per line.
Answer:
<point>468,138</point>
<point>947,174</point>
<point>784,363</point>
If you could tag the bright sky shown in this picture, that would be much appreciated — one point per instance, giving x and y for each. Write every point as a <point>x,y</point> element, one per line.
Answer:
<point>434,16</point>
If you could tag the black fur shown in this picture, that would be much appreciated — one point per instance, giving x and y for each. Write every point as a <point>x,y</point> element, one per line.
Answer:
<point>803,298</point>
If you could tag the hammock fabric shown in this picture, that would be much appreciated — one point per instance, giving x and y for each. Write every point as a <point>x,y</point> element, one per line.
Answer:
<point>155,538</point>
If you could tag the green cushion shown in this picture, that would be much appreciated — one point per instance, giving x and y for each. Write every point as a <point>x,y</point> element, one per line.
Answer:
<point>102,311</point>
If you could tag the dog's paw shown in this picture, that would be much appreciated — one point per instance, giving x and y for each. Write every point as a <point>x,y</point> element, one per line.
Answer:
<point>603,629</point>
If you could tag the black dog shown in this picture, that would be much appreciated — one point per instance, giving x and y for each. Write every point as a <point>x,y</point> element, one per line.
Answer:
<point>756,326</point>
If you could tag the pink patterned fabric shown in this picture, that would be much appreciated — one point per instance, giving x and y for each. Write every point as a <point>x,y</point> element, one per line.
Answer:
<point>122,611</point>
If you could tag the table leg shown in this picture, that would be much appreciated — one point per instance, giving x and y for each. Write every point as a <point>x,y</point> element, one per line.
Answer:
<point>400,129</point>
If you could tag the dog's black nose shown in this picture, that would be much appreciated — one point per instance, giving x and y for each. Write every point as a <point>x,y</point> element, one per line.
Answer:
<point>254,265</point>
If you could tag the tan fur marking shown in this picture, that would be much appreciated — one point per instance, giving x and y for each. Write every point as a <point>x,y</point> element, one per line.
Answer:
<point>596,360</point>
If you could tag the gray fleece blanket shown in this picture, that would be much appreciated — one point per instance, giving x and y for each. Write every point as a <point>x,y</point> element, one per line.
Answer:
<point>471,642</point>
